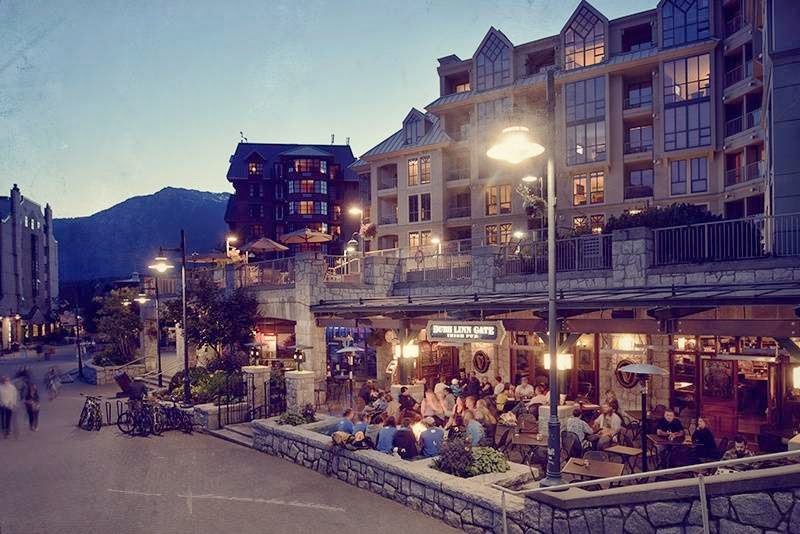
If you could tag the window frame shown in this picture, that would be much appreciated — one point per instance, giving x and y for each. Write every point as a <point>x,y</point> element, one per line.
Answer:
<point>695,14</point>
<point>493,64</point>
<point>585,38</point>
<point>585,112</point>
<point>690,167</point>
<point>412,163</point>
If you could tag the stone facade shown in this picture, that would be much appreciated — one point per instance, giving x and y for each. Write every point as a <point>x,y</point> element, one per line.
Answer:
<point>299,389</point>
<point>101,376</point>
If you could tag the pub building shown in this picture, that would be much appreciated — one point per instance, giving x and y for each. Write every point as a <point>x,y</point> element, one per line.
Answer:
<point>731,352</point>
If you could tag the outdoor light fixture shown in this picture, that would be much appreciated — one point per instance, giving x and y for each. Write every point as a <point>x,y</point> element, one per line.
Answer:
<point>299,357</point>
<point>563,361</point>
<point>681,344</point>
<point>409,351</point>
<point>515,146</point>
<point>529,179</point>
<point>626,342</point>
<point>435,241</point>
<point>228,240</point>
<point>519,234</point>
<point>142,298</point>
<point>161,265</point>
<point>355,211</point>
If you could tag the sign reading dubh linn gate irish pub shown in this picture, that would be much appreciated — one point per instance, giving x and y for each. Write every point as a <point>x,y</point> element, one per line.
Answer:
<point>466,331</point>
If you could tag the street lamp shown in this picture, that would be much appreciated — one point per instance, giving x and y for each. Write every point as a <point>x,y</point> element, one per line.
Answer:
<point>228,240</point>
<point>438,242</point>
<point>516,146</point>
<point>162,265</point>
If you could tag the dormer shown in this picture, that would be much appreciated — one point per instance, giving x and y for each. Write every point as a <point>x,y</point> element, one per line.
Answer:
<point>415,125</point>
<point>684,21</point>
<point>584,37</point>
<point>492,62</point>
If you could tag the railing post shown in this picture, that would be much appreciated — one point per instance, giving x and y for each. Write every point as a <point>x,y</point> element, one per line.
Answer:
<point>505,515</point>
<point>701,486</point>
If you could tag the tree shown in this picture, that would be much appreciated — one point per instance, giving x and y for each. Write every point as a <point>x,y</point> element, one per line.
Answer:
<point>119,325</point>
<point>216,319</point>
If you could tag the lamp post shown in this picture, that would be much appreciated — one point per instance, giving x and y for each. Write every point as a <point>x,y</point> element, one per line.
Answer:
<point>644,371</point>
<point>228,248</point>
<point>516,147</point>
<point>161,266</point>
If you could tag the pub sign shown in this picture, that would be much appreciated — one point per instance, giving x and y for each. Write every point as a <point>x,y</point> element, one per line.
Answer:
<point>466,331</point>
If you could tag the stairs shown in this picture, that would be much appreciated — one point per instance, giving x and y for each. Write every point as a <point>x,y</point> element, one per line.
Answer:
<point>239,433</point>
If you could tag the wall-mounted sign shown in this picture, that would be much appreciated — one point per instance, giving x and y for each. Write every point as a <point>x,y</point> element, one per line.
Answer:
<point>481,361</point>
<point>466,331</point>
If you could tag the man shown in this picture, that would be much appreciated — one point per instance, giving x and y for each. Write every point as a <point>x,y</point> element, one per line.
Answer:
<point>345,424</point>
<point>407,402</point>
<point>431,438</point>
<point>524,390</point>
<point>8,402</point>
<point>473,385</point>
<point>474,429</point>
<point>361,426</point>
<point>578,426</point>
<point>404,440</point>
<point>738,451</point>
<point>499,385</point>
<point>440,386</point>
<point>366,392</point>
<point>670,427</point>
<point>606,427</point>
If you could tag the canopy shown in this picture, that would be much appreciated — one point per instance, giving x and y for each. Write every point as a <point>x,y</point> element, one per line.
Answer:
<point>349,349</point>
<point>305,236</point>
<point>264,244</point>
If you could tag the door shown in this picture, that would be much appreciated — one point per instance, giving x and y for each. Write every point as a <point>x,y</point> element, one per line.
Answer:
<point>718,396</point>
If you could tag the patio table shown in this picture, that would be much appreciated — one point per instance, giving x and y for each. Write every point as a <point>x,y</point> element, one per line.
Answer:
<point>529,442</point>
<point>668,445</point>
<point>595,469</point>
<point>628,454</point>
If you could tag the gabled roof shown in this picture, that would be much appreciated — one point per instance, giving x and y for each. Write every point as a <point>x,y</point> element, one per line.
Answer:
<point>307,152</point>
<point>397,141</point>
<point>586,5</point>
<point>270,153</point>
<point>533,79</point>
<point>358,163</point>
<point>494,31</point>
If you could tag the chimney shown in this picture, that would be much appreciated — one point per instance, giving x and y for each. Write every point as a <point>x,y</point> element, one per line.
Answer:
<point>16,198</point>
<point>333,136</point>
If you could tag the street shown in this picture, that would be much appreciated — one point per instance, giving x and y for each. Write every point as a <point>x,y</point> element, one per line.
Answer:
<point>63,479</point>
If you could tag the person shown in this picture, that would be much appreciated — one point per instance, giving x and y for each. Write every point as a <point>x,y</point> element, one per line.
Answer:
<point>31,400</point>
<point>501,399</point>
<point>345,424</point>
<point>541,396</point>
<point>459,407</point>
<point>469,402</point>
<point>606,427</point>
<point>392,406</point>
<point>433,408</point>
<point>486,388</point>
<point>362,424</point>
<point>483,414</point>
<point>670,427</point>
<point>474,429</point>
<point>431,438</point>
<point>366,392</point>
<point>703,439</point>
<point>440,387</point>
<point>386,435</point>
<point>407,402</point>
<point>455,427</point>
<point>578,426</point>
<point>52,382</point>
<point>499,385</point>
<point>455,387</point>
<point>738,451</point>
<point>380,404</point>
<point>404,440</point>
<point>8,402</point>
<point>524,390</point>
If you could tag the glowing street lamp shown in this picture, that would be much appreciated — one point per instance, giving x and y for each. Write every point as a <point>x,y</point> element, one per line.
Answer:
<point>563,361</point>
<point>161,265</point>
<point>530,179</point>
<point>228,240</point>
<point>515,146</point>
<point>519,234</point>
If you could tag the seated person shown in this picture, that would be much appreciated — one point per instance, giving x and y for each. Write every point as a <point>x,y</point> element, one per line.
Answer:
<point>362,424</point>
<point>386,436</point>
<point>541,396</point>
<point>474,430</point>
<point>455,387</point>
<point>380,403</point>
<point>455,427</point>
<point>431,438</point>
<point>738,451</point>
<point>524,390</point>
<point>407,402</point>
<point>670,427</point>
<point>705,445</point>
<point>440,386</point>
<point>501,399</point>
<point>578,426</point>
<point>345,424</point>
<point>392,406</point>
<point>367,391</point>
<point>432,407</point>
<point>499,385</point>
<point>404,440</point>
<point>606,428</point>
<point>486,388</point>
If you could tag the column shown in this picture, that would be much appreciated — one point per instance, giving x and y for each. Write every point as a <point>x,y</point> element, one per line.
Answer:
<point>299,390</point>
<point>631,256</point>
<point>148,336</point>
<point>260,376</point>
<point>483,269</point>
<point>179,348</point>
<point>5,340</point>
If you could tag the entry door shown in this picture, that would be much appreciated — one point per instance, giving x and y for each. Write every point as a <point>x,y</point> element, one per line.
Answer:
<point>718,396</point>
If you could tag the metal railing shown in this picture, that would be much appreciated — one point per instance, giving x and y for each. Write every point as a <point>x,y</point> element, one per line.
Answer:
<point>749,120</point>
<point>733,25</point>
<point>738,239</point>
<point>637,147</point>
<point>387,183</point>
<point>697,470</point>
<point>637,102</point>
<point>454,212</point>
<point>388,219</point>
<point>738,175</point>
<point>278,272</point>
<point>573,254</point>
<point>458,174</point>
<point>739,73</point>
<point>638,191</point>
<point>342,268</point>
<point>436,267</point>
<point>385,252</point>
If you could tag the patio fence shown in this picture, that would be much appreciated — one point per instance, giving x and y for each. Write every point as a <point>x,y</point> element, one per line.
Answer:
<point>342,268</point>
<point>278,272</point>
<point>434,267</point>
<point>738,239</point>
<point>582,253</point>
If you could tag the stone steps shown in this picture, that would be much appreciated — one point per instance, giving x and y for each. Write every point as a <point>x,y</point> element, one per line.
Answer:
<point>232,437</point>
<point>243,429</point>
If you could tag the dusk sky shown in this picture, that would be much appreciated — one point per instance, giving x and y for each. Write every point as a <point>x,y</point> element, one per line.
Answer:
<point>100,101</point>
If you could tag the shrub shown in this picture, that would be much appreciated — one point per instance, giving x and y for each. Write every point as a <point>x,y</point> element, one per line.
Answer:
<point>109,356</point>
<point>662,217</point>
<point>487,460</point>
<point>293,418</point>
<point>309,413</point>
<point>455,457</point>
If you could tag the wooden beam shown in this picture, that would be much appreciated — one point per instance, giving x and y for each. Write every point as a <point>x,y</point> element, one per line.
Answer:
<point>525,325</point>
<point>611,326</point>
<point>791,347</point>
<point>739,327</point>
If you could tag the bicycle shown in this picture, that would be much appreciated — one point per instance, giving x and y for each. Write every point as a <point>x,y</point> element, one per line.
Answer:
<point>139,420</point>
<point>177,419</point>
<point>91,417</point>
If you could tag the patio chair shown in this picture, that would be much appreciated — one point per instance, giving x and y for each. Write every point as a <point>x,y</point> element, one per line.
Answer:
<point>596,456</point>
<point>571,446</point>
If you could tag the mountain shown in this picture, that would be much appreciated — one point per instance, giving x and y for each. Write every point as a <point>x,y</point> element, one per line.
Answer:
<point>125,237</point>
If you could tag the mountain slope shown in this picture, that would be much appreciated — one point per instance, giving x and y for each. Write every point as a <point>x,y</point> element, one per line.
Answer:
<point>125,237</point>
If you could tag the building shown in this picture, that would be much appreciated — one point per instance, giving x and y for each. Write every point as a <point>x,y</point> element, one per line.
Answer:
<point>28,269</point>
<point>655,108</point>
<point>280,188</point>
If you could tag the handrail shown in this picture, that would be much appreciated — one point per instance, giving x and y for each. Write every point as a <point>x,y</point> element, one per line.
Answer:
<point>125,366</point>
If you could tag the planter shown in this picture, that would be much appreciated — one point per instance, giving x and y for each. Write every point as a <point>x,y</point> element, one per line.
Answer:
<point>103,375</point>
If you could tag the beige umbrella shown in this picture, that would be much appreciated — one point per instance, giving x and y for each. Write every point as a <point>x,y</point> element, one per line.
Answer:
<point>264,244</point>
<point>304,237</point>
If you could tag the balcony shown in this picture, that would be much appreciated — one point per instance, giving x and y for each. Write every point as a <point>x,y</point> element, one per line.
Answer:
<point>388,219</point>
<point>387,182</point>
<point>455,212</point>
<point>742,123</point>
<point>740,175</point>
<point>638,191</point>
<point>734,25</point>
<point>637,147</point>
<point>739,73</point>
<point>637,102</point>
<point>457,174</point>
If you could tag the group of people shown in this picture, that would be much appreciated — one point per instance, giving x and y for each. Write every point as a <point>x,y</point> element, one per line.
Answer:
<point>27,394</point>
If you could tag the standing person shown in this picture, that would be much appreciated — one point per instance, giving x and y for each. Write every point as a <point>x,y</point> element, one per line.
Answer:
<point>31,400</point>
<point>8,402</point>
<point>52,382</point>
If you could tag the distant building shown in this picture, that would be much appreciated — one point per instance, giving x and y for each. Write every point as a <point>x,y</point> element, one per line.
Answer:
<point>280,188</point>
<point>28,269</point>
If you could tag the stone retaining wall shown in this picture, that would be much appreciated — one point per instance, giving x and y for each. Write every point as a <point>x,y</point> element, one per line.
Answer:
<point>207,415</point>
<point>101,376</point>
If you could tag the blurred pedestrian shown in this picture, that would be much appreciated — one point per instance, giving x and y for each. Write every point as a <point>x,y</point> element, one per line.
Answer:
<point>31,400</point>
<point>8,402</point>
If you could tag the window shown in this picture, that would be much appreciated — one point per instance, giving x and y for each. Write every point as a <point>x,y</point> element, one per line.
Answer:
<point>597,223</point>
<point>493,109</point>
<point>498,199</point>
<point>493,64</point>
<point>310,165</point>
<point>686,174</point>
<point>321,187</point>
<point>491,234</point>
<point>413,239</point>
<point>684,21</point>
<point>462,87</point>
<point>413,172</point>
<point>256,190</point>
<point>687,106</point>
<point>419,207</point>
<point>588,188</point>
<point>255,168</point>
<point>586,127</point>
<point>425,202</point>
<point>320,208</point>
<point>580,224</point>
<point>256,231</point>
<point>306,186</point>
<point>584,40</point>
<point>414,129</point>
<point>639,183</point>
<point>413,208</point>
<point>256,210</point>
<point>279,212</point>
<point>505,233</point>
<point>277,170</point>
<point>425,170</point>
<point>699,175</point>
<point>639,139</point>
<point>638,95</point>
<point>419,239</point>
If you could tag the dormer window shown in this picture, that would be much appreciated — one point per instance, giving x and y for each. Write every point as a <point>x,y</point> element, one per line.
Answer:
<point>584,40</point>
<point>493,64</point>
<point>685,21</point>
<point>255,169</point>
<point>414,129</point>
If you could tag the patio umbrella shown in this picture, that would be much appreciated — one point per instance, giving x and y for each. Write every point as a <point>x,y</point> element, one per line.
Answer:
<point>644,370</point>
<point>305,236</point>
<point>264,244</point>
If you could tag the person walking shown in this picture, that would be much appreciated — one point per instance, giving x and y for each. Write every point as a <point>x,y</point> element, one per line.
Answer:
<point>8,402</point>
<point>31,400</point>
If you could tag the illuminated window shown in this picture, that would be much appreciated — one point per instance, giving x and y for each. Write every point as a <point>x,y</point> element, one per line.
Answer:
<point>255,168</point>
<point>306,186</point>
<point>498,199</point>
<point>586,127</point>
<point>491,234</point>
<point>505,233</point>
<point>597,222</point>
<point>462,87</point>
<point>684,21</point>
<point>413,239</point>
<point>413,171</point>
<point>310,165</point>
<point>425,170</point>
<point>493,64</point>
<point>687,105</point>
<point>584,40</point>
<point>588,188</point>
<point>580,224</point>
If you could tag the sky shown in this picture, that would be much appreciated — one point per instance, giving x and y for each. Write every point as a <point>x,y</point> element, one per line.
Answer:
<point>108,99</point>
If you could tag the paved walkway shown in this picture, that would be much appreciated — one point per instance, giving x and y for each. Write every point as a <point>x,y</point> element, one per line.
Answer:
<point>63,479</point>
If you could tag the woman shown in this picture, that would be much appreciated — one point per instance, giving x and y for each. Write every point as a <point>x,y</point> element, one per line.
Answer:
<point>433,408</point>
<point>392,406</point>
<point>459,407</point>
<point>32,405</point>
<point>484,416</point>
<point>455,427</point>
<point>611,399</point>
<point>386,435</point>
<point>486,388</point>
<point>703,440</point>
<point>502,398</point>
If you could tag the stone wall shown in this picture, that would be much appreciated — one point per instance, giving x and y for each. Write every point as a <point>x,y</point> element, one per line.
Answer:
<point>101,376</point>
<point>207,415</point>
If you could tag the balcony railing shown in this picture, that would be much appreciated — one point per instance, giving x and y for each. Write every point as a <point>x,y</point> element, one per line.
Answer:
<point>572,254</point>
<point>738,73</point>
<point>436,267</point>
<point>454,212</point>
<point>637,147</point>
<point>457,174</point>
<point>739,175</point>
<point>386,182</point>
<point>732,26</point>
<point>637,102</point>
<point>388,219</point>
<point>638,191</point>
<point>342,268</point>
<point>278,272</point>
<point>732,240</point>
<point>742,123</point>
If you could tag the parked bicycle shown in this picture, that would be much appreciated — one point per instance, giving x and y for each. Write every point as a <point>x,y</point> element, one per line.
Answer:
<point>141,419</point>
<point>177,419</point>
<point>91,416</point>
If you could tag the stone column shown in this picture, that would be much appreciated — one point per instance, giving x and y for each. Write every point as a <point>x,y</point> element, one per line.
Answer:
<point>299,389</point>
<point>5,341</point>
<point>260,374</point>
<point>179,347</point>
<point>309,289</point>
<point>149,341</point>
<point>631,256</point>
<point>483,268</point>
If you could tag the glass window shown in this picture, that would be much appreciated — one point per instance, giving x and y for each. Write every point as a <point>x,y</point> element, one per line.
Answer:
<point>588,187</point>
<point>586,100</point>
<point>498,199</point>
<point>639,139</point>
<point>414,129</point>
<point>413,171</point>
<point>505,233</point>
<point>413,208</point>
<point>586,127</point>
<point>321,187</point>
<point>639,183</point>
<point>687,106</point>
<point>579,188</point>
<point>278,191</point>
<point>279,212</point>
<point>687,79</point>
<point>491,234</point>
<point>684,21</point>
<point>505,198</point>
<point>413,239</point>
<point>639,94</point>
<point>306,186</point>
<point>425,170</point>
<point>678,174</point>
<point>597,185</point>
<point>323,167</point>
<point>699,175</point>
<point>425,237</point>
<point>687,126</point>
<point>425,203</point>
<point>580,223</point>
<point>493,109</point>
<point>255,168</point>
<point>597,223</point>
<point>584,40</point>
<point>493,64</point>
<point>277,170</point>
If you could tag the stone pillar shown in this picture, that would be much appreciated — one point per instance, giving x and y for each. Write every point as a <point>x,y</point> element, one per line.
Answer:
<point>260,374</point>
<point>5,335</point>
<point>147,338</point>
<point>179,347</point>
<point>631,256</point>
<point>309,276</point>
<point>299,389</point>
<point>484,269</point>
<point>381,272</point>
